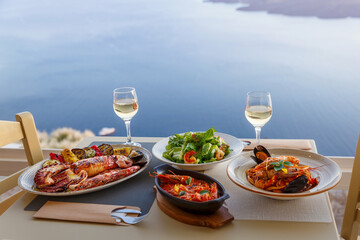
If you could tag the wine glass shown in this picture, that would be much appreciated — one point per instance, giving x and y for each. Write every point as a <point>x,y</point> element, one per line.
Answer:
<point>126,105</point>
<point>258,110</point>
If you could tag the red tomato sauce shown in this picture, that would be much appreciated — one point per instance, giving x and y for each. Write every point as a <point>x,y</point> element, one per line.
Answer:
<point>188,188</point>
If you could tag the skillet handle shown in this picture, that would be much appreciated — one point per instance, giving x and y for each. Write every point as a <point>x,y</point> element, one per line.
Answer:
<point>163,168</point>
<point>226,196</point>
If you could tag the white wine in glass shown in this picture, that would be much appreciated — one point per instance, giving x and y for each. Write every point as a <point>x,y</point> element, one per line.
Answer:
<point>126,105</point>
<point>126,108</point>
<point>258,110</point>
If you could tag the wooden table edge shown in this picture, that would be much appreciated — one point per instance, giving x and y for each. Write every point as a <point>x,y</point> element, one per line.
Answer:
<point>28,197</point>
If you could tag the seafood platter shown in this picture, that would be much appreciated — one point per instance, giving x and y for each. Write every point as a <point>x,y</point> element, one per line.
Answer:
<point>284,174</point>
<point>84,170</point>
<point>197,150</point>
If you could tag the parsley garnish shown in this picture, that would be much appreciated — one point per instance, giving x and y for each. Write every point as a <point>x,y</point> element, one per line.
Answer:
<point>203,192</point>
<point>278,166</point>
<point>188,181</point>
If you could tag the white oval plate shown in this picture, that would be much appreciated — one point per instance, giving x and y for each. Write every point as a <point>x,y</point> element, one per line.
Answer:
<point>328,172</point>
<point>26,179</point>
<point>236,146</point>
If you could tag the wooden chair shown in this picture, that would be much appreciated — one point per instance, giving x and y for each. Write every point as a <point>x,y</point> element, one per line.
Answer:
<point>351,222</point>
<point>11,131</point>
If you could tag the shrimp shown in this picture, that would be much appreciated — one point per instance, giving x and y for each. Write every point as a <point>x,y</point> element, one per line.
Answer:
<point>219,154</point>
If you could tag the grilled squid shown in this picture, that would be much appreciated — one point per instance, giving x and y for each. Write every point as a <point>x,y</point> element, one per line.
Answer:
<point>104,178</point>
<point>96,165</point>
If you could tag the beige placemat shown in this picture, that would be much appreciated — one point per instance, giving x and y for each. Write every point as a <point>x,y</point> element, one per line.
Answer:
<point>245,205</point>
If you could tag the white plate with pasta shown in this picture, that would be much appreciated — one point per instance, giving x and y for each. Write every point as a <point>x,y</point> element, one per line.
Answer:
<point>326,171</point>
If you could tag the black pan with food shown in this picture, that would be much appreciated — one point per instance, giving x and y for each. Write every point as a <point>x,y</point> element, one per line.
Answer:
<point>207,207</point>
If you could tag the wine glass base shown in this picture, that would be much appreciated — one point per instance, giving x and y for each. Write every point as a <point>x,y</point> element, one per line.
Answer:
<point>132,144</point>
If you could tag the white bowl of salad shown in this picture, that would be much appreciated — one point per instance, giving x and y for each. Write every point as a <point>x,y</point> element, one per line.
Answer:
<point>197,150</point>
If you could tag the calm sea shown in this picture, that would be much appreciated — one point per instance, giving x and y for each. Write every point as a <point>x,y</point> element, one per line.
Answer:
<point>191,62</point>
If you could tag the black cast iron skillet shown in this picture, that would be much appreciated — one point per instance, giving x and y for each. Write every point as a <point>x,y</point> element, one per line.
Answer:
<point>190,206</point>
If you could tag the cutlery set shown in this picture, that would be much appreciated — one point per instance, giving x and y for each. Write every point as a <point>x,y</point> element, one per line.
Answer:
<point>120,215</point>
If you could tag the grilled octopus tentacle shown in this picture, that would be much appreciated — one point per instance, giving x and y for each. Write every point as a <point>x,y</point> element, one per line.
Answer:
<point>62,180</point>
<point>44,176</point>
<point>104,178</point>
<point>123,161</point>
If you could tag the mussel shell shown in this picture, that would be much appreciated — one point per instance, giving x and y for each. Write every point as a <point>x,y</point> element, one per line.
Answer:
<point>138,158</point>
<point>296,185</point>
<point>262,151</point>
<point>136,155</point>
<point>261,154</point>
<point>257,160</point>
<point>141,162</point>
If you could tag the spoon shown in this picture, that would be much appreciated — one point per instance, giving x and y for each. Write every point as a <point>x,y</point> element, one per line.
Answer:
<point>133,220</point>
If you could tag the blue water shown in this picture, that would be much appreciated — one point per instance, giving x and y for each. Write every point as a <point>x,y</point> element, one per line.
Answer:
<point>191,62</point>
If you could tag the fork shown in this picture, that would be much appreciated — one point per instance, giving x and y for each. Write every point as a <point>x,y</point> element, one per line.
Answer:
<point>126,219</point>
<point>120,215</point>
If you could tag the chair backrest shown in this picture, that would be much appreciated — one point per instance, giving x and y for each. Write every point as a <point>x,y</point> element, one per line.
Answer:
<point>12,131</point>
<point>351,222</point>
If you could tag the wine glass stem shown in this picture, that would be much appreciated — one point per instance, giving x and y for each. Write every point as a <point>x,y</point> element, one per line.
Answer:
<point>258,131</point>
<point>128,133</point>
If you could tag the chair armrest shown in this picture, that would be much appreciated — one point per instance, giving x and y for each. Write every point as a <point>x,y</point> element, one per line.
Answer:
<point>14,159</point>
